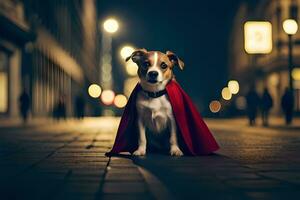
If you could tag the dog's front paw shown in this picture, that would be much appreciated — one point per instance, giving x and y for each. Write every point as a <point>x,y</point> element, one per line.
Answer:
<point>140,152</point>
<point>175,151</point>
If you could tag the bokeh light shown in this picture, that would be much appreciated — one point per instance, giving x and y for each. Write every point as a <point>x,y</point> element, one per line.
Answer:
<point>120,101</point>
<point>214,106</point>
<point>111,25</point>
<point>131,68</point>
<point>94,90</point>
<point>273,79</point>
<point>226,94</point>
<point>258,37</point>
<point>126,51</point>
<point>107,97</point>
<point>296,74</point>
<point>241,103</point>
<point>290,26</point>
<point>129,85</point>
<point>233,86</point>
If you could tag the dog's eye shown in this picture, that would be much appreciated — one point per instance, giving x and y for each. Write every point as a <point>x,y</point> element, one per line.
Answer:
<point>163,65</point>
<point>145,64</point>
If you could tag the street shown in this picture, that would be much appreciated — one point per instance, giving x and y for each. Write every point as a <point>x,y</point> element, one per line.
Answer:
<point>66,160</point>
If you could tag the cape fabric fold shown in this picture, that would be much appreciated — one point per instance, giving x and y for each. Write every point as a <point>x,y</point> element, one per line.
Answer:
<point>194,136</point>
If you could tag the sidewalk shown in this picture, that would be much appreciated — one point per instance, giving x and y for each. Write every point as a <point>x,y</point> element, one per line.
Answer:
<point>274,122</point>
<point>66,161</point>
<point>41,121</point>
<point>17,122</point>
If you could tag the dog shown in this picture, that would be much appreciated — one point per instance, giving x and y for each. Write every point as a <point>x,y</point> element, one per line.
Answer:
<point>155,70</point>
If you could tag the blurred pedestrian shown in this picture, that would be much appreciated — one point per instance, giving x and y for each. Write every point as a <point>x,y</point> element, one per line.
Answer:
<point>79,106</point>
<point>62,107</point>
<point>287,105</point>
<point>266,105</point>
<point>253,100</point>
<point>24,105</point>
<point>59,110</point>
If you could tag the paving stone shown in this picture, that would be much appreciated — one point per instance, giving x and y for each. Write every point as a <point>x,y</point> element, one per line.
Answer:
<point>255,184</point>
<point>274,195</point>
<point>75,196</point>
<point>126,197</point>
<point>82,187</point>
<point>124,187</point>
<point>234,175</point>
<point>288,176</point>
<point>123,177</point>
<point>123,171</point>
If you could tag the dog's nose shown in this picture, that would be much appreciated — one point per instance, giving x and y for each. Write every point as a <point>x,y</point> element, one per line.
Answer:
<point>152,74</point>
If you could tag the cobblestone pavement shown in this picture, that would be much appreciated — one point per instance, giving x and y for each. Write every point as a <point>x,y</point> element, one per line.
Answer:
<point>66,161</point>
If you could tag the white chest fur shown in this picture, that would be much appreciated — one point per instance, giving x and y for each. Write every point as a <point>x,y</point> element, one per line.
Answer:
<point>155,113</point>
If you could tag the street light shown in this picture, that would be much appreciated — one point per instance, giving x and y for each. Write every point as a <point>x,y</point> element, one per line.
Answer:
<point>258,37</point>
<point>290,27</point>
<point>126,51</point>
<point>296,74</point>
<point>130,66</point>
<point>107,97</point>
<point>215,106</point>
<point>233,86</point>
<point>226,94</point>
<point>111,25</point>
<point>94,90</point>
<point>120,101</point>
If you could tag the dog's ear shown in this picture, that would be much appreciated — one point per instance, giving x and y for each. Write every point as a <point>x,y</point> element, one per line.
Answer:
<point>175,60</point>
<point>137,55</point>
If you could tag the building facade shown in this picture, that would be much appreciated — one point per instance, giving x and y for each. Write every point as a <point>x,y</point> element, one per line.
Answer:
<point>45,53</point>
<point>14,34</point>
<point>266,70</point>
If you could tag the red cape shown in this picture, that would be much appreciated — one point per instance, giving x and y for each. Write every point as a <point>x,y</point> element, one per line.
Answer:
<point>194,135</point>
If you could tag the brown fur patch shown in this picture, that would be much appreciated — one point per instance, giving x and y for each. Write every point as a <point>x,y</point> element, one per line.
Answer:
<point>167,73</point>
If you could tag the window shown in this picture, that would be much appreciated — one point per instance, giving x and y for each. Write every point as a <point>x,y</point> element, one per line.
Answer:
<point>3,82</point>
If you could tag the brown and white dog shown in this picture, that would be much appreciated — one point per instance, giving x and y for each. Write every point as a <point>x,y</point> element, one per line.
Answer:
<point>153,106</point>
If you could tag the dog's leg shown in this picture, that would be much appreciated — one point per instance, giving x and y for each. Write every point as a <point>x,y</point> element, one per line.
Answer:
<point>141,151</point>
<point>174,148</point>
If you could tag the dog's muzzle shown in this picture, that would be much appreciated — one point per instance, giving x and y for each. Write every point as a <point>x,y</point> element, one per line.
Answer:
<point>152,76</point>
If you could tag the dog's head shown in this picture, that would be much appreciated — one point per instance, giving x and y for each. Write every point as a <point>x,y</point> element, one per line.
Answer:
<point>155,68</point>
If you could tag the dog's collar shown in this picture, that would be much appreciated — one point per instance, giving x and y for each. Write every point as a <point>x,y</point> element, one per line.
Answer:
<point>155,94</point>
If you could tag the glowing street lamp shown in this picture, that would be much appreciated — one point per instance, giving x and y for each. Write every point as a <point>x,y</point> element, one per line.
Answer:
<point>120,101</point>
<point>214,106</point>
<point>108,27</point>
<point>126,51</point>
<point>111,25</point>
<point>94,90</point>
<point>226,94</point>
<point>233,86</point>
<point>296,74</point>
<point>130,66</point>
<point>107,97</point>
<point>258,37</point>
<point>290,27</point>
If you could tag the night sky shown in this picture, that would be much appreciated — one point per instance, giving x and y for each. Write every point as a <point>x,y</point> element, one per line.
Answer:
<point>197,31</point>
